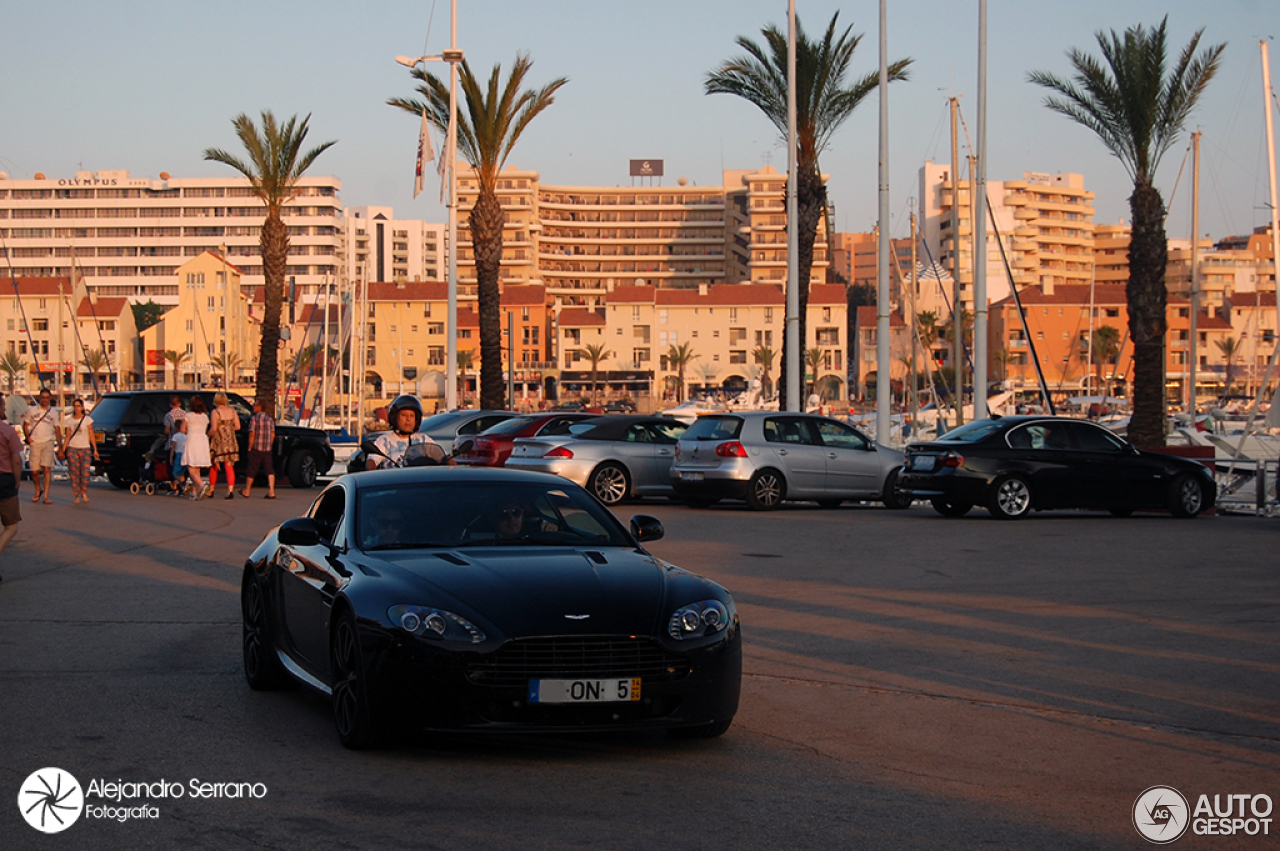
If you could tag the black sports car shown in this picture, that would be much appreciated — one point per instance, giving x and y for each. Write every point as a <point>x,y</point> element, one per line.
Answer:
<point>452,598</point>
<point>1014,465</point>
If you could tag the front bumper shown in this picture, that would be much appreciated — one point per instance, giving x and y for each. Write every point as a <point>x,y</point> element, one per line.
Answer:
<point>428,687</point>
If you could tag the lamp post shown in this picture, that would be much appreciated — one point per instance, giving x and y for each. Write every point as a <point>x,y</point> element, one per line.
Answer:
<point>453,56</point>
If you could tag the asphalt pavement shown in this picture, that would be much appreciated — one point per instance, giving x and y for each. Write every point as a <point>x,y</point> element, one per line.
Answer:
<point>911,682</point>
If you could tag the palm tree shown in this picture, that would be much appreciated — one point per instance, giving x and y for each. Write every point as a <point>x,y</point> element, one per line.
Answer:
<point>813,360</point>
<point>1227,345</point>
<point>763,357</point>
<point>229,363</point>
<point>95,360</point>
<point>464,365</point>
<point>177,359</point>
<point>595,353</point>
<point>1106,348</point>
<point>12,364</point>
<point>678,358</point>
<point>823,102</point>
<point>275,165</point>
<point>493,122</point>
<point>1138,112</point>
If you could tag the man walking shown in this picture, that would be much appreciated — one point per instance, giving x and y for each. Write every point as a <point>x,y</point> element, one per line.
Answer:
<point>40,425</point>
<point>173,420</point>
<point>10,479</point>
<point>262,435</point>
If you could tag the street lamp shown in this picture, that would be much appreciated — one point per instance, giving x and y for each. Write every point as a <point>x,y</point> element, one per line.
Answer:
<point>453,56</point>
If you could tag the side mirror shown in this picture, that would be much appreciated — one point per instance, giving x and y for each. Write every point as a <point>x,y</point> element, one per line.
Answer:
<point>463,448</point>
<point>645,527</point>
<point>299,532</point>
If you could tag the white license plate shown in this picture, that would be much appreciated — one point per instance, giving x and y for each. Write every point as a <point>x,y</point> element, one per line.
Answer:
<point>922,462</point>
<point>584,691</point>
<point>691,477</point>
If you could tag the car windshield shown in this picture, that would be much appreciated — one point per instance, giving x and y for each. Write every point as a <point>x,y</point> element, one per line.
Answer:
<point>424,515</point>
<point>510,426</point>
<point>971,432</point>
<point>714,428</point>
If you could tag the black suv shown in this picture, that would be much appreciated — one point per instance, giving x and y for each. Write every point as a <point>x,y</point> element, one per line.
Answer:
<point>128,424</point>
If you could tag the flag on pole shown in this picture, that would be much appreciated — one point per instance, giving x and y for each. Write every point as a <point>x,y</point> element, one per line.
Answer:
<point>440,170</point>
<point>425,154</point>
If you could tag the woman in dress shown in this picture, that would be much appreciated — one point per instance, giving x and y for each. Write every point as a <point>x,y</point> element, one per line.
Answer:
<point>80,449</point>
<point>196,457</point>
<point>224,422</point>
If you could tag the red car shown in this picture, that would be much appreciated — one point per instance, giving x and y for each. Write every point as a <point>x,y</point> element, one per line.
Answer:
<point>492,448</point>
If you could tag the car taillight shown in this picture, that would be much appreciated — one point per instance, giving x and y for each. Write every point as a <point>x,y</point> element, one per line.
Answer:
<point>953,459</point>
<point>559,452</point>
<point>731,449</point>
<point>483,443</point>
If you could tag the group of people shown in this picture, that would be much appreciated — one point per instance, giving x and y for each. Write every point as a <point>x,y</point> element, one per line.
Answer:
<point>197,441</point>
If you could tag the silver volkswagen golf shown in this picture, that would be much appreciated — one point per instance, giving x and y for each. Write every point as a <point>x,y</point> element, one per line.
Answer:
<point>766,457</point>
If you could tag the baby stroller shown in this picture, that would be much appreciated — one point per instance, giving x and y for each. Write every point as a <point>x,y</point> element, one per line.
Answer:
<point>154,473</point>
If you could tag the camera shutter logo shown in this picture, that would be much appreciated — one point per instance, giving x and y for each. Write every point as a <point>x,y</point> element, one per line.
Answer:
<point>51,800</point>
<point>1161,814</point>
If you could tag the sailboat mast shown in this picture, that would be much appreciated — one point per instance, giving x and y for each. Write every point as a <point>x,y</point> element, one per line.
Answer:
<point>1195,276</point>
<point>1271,170</point>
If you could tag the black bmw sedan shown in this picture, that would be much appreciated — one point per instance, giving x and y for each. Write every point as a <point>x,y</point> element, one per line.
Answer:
<point>1016,465</point>
<point>486,599</point>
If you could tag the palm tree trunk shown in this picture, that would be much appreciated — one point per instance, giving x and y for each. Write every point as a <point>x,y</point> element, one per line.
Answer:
<point>811,201</point>
<point>486,237</point>
<point>275,257</point>
<point>1147,299</point>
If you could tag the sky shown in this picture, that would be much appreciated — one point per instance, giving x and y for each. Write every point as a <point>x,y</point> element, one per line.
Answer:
<point>147,86</point>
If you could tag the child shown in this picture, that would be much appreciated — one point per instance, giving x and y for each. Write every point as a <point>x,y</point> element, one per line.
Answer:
<point>178,446</point>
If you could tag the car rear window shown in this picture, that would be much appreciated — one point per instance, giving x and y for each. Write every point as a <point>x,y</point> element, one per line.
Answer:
<point>714,428</point>
<point>971,432</point>
<point>510,426</point>
<point>109,412</point>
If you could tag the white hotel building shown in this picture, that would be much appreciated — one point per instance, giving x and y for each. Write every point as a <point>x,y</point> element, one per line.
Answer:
<point>127,236</point>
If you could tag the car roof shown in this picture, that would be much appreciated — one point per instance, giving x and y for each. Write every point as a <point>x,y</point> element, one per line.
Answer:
<point>606,428</point>
<point>407,475</point>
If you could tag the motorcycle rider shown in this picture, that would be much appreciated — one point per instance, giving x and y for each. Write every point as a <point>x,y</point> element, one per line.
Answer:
<point>404,415</point>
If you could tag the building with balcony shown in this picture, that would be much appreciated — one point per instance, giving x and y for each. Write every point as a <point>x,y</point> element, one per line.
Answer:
<point>127,236</point>
<point>379,247</point>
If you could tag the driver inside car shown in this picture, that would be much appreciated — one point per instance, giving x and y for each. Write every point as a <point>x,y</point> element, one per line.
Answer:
<point>405,415</point>
<point>511,519</point>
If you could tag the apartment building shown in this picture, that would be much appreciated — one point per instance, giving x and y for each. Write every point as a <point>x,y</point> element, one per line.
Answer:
<point>214,328</point>
<point>127,236</point>
<point>57,329</point>
<point>580,241</point>
<point>379,247</point>
<point>864,360</point>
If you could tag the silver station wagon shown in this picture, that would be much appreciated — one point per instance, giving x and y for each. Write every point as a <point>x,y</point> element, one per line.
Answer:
<point>766,457</point>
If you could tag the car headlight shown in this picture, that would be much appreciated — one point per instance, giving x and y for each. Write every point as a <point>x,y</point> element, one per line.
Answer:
<point>698,620</point>
<point>122,439</point>
<point>435,623</point>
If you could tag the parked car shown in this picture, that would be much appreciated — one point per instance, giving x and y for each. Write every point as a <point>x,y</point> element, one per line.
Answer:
<point>454,599</point>
<point>444,428</point>
<point>619,406</point>
<point>768,457</point>
<point>1016,465</point>
<point>612,457</point>
<point>129,423</point>
<point>492,447</point>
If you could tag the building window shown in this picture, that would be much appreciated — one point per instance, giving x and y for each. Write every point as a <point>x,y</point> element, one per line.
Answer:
<point>640,355</point>
<point>738,356</point>
<point>435,356</point>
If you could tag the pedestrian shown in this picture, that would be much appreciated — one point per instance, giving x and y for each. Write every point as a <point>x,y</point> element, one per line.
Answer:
<point>40,425</point>
<point>224,422</point>
<point>196,427</point>
<point>262,436</point>
<point>78,449</point>
<point>173,419</point>
<point>177,467</point>
<point>10,480</point>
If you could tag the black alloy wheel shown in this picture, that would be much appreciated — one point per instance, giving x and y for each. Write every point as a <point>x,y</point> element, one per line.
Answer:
<point>1010,498</point>
<point>766,490</point>
<point>895,496</point>
<point>1186,497</point>
<point>303,469</point>
<point>352,710</point>
<point>262,669</point>
<point>609,483</point>
<point>948,508</point>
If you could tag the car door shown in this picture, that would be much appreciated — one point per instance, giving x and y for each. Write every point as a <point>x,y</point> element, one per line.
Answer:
<point>795,449</point>
<point>1043,454</point>
<point>853,467</point>
<point>637,450</point>
<point>1109,474</point>
<point>665,436</point>
<point>308,581</point>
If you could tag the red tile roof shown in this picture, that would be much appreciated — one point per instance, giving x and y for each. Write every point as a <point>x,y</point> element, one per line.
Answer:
<point>526,294</point>
<point>827,294</point>
<point>632,295</point>
<point>1070,294</point>
<point>106,308</point>
<point>1253,299</point>
<point>580,317</point>
<point>408,291</point>
<point>868,318</point>
<point>725,295</point>
<point>32,286</point>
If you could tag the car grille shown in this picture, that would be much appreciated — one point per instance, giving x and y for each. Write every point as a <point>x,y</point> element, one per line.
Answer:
<point>577,658</point>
